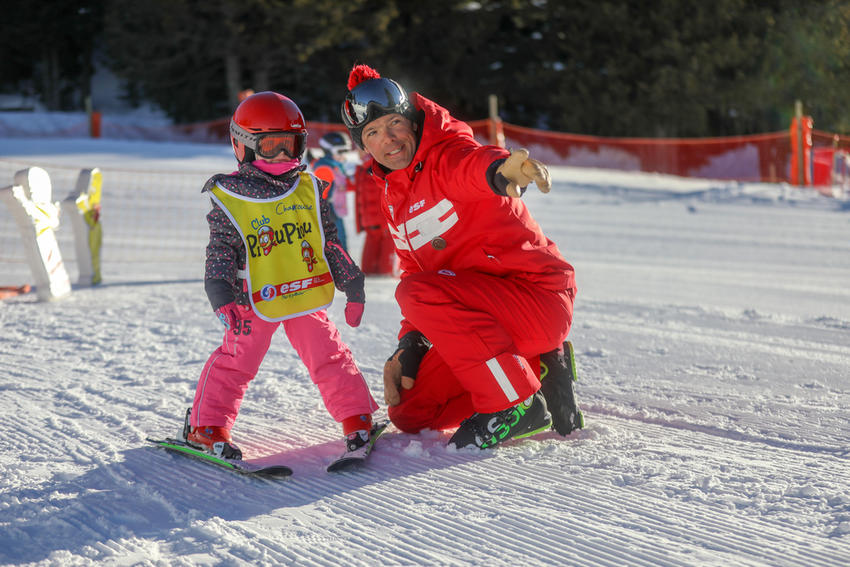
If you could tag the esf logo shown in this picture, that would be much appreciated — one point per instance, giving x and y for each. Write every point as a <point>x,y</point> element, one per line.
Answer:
<point>266,238</point>
<point>416,206</point>
<point>269,292</point>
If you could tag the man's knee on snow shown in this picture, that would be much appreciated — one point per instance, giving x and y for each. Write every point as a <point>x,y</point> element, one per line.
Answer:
<point>407,422</point>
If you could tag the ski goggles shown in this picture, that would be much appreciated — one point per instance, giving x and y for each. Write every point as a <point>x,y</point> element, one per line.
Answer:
<point>371,99</point>
<point>269,144</point>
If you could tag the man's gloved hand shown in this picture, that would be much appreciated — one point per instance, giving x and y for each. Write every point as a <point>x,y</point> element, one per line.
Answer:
<point>520,170</point>
<point>401,368</point>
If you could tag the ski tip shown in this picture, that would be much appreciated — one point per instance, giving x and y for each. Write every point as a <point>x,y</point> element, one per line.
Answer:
<point>345,464</point>
<point>274,470</point>
<point>380,426</point>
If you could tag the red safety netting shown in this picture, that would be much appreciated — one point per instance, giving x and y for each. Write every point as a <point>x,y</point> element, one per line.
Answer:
<point>762,157</point>
<point>821,139</point>
<point>830,162</point>
<point>759,157</point>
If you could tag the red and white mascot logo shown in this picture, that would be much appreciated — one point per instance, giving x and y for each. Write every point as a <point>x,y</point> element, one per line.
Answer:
<point>307,255</point>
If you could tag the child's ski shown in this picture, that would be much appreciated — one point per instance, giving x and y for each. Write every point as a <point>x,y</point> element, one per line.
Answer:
<point>238,466</point>
<point>359,455</point>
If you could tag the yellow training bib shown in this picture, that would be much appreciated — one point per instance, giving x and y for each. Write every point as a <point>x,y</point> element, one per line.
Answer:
<point>287,272</point>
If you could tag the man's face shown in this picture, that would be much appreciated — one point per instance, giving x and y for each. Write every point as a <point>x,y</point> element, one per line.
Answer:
<point>391,139</point>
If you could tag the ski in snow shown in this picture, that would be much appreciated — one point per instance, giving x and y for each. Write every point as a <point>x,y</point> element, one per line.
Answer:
<point>358,457</point>
<point>235,465</point>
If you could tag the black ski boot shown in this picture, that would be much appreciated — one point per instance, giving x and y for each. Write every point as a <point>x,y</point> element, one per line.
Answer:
<point>557,374</point>
<point>485,430</point>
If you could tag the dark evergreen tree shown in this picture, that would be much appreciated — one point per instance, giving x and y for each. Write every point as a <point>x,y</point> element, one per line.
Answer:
<point>47,50</point>
<point>678,68</point>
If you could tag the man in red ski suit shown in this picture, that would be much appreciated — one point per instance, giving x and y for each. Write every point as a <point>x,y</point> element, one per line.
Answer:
<point>483,292</point>
<point>378,257</point>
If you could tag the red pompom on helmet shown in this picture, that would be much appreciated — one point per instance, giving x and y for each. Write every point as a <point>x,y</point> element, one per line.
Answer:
<point>360,73</point>
<point>266,124</point>
<point>369,97</point>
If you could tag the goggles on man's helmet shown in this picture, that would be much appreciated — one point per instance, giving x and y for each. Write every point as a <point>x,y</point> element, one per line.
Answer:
<point>370,100</point>
<point>267,145</point>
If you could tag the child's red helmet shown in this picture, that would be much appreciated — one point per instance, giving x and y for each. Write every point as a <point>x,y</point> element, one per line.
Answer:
<point>266,124</point>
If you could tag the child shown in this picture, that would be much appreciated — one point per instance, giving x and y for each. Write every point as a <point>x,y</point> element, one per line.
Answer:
<point>273,259</point>
<point>330,168</point>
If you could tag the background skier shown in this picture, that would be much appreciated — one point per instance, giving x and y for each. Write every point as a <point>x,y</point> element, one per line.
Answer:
<point>330,168</point>
<point>378,256</point>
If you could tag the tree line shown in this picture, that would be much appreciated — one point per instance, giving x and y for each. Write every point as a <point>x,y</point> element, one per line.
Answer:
<point>650,68</point>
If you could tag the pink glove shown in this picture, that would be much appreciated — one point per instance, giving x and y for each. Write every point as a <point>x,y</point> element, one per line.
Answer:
<point>353,313</point>
<point>232,317</point>
<point>228,315</point>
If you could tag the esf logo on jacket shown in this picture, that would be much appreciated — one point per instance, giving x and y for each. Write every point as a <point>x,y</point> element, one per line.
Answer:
<point>423,228</point>
<point>269,292</point>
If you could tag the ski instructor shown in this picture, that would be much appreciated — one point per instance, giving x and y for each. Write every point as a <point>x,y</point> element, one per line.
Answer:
<point>483,292</point>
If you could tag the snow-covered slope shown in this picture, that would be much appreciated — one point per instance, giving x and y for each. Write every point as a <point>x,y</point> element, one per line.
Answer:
<point>712,333</point>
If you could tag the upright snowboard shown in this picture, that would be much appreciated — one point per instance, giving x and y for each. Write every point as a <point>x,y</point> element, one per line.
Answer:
<point>249,467</point>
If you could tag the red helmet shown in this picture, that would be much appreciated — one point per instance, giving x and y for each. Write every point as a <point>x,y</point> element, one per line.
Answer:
<point>266,124</point>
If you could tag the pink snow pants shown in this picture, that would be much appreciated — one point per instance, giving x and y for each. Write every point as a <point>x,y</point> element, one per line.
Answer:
<point>487,334</point>
<point>314,337</point>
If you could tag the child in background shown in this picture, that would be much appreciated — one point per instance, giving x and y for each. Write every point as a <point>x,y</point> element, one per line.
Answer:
<point>273,259</point>
<point>330,168</point>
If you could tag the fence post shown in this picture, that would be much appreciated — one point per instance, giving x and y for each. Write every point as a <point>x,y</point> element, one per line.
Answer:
<point>94,119</point>
<point>798,113</point>
<point>497,134</point>
<point>801,147</point>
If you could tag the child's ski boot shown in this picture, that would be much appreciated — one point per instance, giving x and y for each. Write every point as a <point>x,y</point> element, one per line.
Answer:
<point>213,439</point>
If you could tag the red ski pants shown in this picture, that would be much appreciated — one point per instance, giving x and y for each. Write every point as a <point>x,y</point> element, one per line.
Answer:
<point>378,252</point>
<point>487,333</point>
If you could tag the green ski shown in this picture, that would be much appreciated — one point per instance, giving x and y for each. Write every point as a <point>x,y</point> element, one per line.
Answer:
<point>237,466</point>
